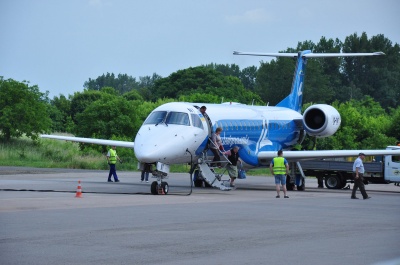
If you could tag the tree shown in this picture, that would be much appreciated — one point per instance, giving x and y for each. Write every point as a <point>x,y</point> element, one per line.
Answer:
<point>376,76</point>
<point>122,83</point>
<point>110,116</point>
<point>23,110</point>
<point>394,128</point>
<point>247,75</point>
<point>60,109</point>
<point>203,80</point>
<point>365,125</point>
<point>274,80</point>
<point>80,100</point>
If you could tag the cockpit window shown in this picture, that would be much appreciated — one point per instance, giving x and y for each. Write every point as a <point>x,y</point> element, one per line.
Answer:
<point>156,117</point>
<point>180,118</point>
<point>197,121</point>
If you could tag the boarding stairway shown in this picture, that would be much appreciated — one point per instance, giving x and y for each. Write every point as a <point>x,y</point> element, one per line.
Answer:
<point>210,174</point>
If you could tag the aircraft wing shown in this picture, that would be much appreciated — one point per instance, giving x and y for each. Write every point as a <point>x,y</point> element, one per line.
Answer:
<point>305,155</point>
<point>90,140</point>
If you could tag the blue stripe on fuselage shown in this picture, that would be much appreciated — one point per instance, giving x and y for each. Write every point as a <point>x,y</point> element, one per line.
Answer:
<point>252,136</point>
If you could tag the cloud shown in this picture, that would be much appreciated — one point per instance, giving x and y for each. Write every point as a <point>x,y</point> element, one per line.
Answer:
<point>251,16</point>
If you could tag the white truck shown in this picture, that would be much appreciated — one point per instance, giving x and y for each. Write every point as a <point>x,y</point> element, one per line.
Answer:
<point>385,169</point>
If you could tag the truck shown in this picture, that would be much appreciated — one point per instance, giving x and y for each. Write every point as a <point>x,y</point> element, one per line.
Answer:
<point>383,169</point>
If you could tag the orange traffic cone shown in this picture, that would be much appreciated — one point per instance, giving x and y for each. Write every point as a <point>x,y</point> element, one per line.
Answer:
<point>79,190</point>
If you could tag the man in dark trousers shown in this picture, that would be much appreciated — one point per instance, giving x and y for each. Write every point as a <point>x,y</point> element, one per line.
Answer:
<point>358,173</point>
<point>233,157</point>
<point>112,158</point>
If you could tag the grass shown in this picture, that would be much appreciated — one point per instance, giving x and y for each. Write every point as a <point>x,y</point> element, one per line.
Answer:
<point>48,153</point>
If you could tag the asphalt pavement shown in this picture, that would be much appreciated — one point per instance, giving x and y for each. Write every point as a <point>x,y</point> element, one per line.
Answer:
<point>42,222</point>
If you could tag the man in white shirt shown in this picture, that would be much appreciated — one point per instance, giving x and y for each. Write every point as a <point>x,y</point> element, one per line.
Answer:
<point>358,174</point>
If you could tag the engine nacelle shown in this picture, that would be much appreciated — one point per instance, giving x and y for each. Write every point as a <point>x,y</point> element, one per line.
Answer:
<point>321,120</point>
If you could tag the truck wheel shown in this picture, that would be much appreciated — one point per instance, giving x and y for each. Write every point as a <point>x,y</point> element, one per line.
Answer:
<point>332,182</point>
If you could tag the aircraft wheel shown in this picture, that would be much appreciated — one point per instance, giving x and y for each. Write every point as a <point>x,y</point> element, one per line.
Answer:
<point>154,188</point>
<point>289,184</point>
<point>165,187</point>
<point>332,182</point>
<point>198,183</point>
<point>303,185</point>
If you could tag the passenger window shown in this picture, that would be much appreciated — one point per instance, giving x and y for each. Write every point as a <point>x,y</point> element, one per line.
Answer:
<point>197,121</point>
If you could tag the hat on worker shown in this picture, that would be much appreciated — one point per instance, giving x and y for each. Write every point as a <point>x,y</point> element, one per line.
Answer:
<point>361,154</point>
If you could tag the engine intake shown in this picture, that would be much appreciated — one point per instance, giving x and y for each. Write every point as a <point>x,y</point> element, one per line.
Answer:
<point>321,120</point>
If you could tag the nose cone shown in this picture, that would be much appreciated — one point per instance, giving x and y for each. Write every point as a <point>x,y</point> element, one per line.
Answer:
<point>165,144</point>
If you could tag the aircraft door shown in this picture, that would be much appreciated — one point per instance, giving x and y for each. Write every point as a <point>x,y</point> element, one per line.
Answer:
<point>207,120</point>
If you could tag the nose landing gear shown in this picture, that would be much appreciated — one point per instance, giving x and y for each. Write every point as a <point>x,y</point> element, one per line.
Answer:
<point>159,187</point>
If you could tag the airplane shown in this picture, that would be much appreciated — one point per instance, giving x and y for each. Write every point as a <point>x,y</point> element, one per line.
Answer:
<point>178,133</point>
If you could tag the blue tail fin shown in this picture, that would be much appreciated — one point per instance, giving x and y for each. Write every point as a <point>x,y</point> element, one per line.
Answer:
<point>294,100</point>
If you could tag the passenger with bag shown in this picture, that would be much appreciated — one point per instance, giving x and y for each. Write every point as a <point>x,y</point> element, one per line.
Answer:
<point>233,157</point>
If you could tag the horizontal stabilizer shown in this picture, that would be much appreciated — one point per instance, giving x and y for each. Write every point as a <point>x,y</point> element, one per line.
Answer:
<point>309,55</point>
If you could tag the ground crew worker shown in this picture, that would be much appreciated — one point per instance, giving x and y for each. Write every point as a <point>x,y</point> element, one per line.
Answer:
<point>279,167</point>
<point>358,173</point>
<point>112,158</point>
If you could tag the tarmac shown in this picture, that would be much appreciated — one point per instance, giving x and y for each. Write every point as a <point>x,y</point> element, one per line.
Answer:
<point>42,222</point>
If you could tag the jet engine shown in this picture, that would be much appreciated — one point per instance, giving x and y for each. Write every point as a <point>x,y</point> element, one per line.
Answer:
<point>321,120</point>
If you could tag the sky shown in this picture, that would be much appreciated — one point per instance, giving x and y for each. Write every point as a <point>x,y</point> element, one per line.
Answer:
<point>59,44</point>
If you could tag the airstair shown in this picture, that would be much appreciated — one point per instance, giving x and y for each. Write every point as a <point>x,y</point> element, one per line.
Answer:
<point>212,175</point>
<point>213,179</point>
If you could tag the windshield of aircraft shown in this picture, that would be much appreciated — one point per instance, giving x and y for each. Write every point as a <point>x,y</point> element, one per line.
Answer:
<point>172,117</point>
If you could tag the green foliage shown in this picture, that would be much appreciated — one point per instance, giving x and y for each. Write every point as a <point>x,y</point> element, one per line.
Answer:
<point>122,83</point>
<point>23,110</point>
<point>365,125</point>
<point>109,116</point>
<point>274,80</point>
<point>133,95</point>
<point>60,113</point>
<point>203,80</point>
<point>81,100</point>
<point>46,153</point>
<point>394,127</point>
<point>200,97</point>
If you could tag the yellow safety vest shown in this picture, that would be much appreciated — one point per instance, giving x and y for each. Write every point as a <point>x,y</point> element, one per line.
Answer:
<point>279,166</point>
<point>113,156</point>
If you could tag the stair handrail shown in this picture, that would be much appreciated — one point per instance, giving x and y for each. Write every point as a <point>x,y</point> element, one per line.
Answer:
<point>217,147</point>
